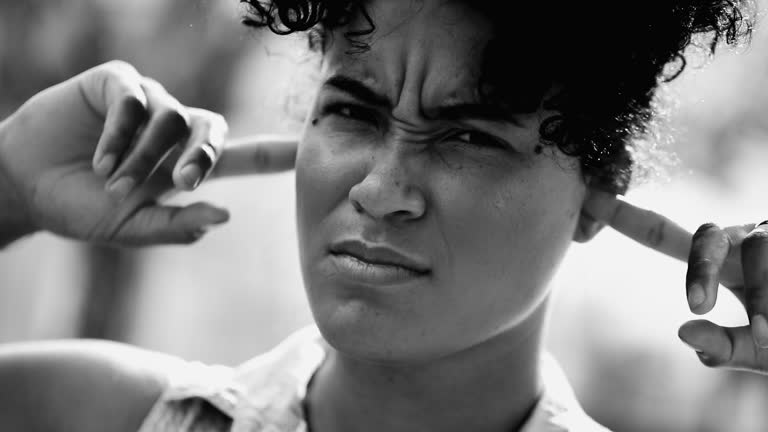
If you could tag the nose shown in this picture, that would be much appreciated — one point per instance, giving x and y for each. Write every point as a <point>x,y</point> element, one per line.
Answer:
<point>388,191</point>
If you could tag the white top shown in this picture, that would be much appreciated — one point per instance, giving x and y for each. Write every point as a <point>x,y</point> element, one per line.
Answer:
<point>265,394</point>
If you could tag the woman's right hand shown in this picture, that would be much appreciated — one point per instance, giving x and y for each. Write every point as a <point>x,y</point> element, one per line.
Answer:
<point>735,257</point>
<point>83,159</point>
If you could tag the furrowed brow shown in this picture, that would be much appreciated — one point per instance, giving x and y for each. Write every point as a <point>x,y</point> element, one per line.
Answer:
<point>473,111</point>
<point>459,111</point>
<point>358,90</point>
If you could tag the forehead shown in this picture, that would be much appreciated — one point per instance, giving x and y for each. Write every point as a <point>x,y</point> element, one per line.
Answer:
<point>427,52</point>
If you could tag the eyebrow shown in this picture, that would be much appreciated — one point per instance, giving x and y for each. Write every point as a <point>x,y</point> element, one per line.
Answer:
<point>476,111</point>
<point>358,90</point>
<point>457,111</point>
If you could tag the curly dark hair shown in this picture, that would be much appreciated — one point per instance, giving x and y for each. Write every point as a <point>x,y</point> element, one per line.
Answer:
<point>606,61</point>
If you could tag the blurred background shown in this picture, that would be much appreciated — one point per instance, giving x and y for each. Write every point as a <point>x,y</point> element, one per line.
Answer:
<point>238,292</point>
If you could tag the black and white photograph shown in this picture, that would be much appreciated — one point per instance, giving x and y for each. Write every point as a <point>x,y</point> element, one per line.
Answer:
<point>383,216</point>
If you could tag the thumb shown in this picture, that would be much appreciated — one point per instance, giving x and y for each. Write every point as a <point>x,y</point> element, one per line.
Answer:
<point>155,224</point>
<point>724,347</point>
<point>710,341</point>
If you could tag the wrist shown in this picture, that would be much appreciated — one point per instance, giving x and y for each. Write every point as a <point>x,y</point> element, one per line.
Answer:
<point>14,219</point>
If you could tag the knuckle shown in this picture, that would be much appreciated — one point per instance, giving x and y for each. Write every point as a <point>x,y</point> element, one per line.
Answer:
<point>174,120</point>
<point>218,118</point>
<point>709,236</point>
<point>702,267</point>
<point>260,158</point>
<point>706,230</point>
<point>757,239</point>
<point>118,67</point>
<point>207,116</point>
<point>220,122</point>
<point>701,262</point>
<point>152,84</point>
<point>655,235</point>
<point>134,105</point>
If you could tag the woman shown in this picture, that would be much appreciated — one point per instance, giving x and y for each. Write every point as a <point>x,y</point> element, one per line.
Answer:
<point>442,174</point>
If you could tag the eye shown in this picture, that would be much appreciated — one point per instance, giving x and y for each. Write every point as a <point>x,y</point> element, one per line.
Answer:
<point>479,139</point>
<point>352,112</point>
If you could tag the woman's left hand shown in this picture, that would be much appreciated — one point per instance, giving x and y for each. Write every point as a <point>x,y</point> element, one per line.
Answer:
<point>735,257</point>
<point>92,158</point>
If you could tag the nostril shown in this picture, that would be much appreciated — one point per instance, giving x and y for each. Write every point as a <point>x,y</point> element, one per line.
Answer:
<point>403,214</point>
<point>358,207</point>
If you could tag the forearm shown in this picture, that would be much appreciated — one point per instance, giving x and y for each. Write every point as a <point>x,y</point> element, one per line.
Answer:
<point>13,221</point>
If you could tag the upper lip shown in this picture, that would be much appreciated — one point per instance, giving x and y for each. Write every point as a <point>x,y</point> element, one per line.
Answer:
<point>378,254</point>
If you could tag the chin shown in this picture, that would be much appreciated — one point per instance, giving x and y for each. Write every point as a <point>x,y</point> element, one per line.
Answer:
<point>356,330</point>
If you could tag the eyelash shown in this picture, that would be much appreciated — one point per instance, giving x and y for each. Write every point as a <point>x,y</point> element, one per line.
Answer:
<point>489,140</point>
<point>364,115</point>
<point>354,112</point>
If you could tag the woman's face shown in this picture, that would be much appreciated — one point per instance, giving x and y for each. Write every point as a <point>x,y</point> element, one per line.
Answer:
<point>427,223</point>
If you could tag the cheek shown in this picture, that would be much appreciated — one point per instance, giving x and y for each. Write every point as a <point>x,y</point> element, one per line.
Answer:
<point>324,173</point>
<point>316,192</point>
<point>508,238</point>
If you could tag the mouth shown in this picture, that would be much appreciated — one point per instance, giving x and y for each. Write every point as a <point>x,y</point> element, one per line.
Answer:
<point>378,264</point>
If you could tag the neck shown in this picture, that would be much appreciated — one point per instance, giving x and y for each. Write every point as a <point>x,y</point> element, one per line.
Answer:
<point>491,387</point>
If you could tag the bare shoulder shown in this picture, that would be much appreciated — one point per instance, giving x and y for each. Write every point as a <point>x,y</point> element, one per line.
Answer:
<point>79,385</point>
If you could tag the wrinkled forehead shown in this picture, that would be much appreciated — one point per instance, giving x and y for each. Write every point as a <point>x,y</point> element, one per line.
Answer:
<point>425,52</point>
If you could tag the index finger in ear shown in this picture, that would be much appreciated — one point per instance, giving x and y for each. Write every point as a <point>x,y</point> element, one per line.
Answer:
<point>705,251</point>
<point>258,154</point>
<point>643,226</point>
<point>754,262</point>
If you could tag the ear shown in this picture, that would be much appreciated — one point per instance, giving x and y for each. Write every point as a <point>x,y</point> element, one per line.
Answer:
<point>592,217</point>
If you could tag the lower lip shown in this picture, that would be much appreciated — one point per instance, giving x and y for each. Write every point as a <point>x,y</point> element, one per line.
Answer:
<point>375,274</point>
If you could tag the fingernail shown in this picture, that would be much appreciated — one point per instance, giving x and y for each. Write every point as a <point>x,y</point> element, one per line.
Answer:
<point>192,175</point>
<point>691,334</point>
<point>704,357</point>
<point>121,188</point>
<point>692,345</point>
<point>696,296</point>
<point>105,164</point>
<point>196,234</point>
<point>760,331</point>
<point>216,216</point>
